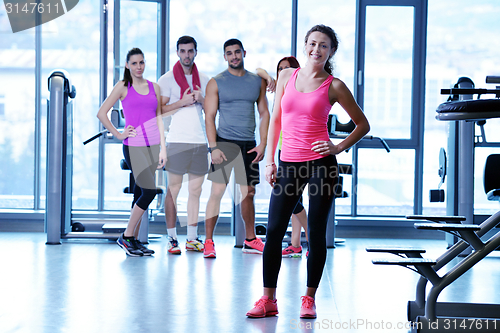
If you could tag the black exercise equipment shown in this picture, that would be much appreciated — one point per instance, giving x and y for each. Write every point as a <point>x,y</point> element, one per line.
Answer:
<point>427,314</point>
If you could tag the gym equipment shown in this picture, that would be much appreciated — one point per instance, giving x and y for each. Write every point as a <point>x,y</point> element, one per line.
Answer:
<point>59,155</point>
<point>438,195</point>
<point>427,314</point>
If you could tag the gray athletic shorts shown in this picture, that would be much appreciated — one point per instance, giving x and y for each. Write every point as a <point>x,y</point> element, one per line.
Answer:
<point>189,158</point>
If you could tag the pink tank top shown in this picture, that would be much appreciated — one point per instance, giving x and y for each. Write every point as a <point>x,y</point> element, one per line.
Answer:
<point>304,118</point>
<point>140,112</point>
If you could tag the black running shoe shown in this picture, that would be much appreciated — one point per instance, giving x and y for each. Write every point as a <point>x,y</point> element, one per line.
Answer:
<point>144,249</point>
<point>129,246</point>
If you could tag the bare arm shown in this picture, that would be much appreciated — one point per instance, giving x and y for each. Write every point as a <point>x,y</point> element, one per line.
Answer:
<point>275,127</point>
<point>340,93</point>
<point>211,106</point>
<point>159,122</point>
<point>271,82</point>
<point>263,109</point>
<point>348,103</point>
<point>170,109</point>
<point>119,92</point>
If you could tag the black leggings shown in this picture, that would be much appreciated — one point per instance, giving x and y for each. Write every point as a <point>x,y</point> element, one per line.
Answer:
<point>143,162</point>
<point>300,206</point>
<point>322,177</point>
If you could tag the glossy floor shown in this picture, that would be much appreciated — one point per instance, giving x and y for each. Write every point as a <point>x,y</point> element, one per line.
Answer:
<point>92,286</point>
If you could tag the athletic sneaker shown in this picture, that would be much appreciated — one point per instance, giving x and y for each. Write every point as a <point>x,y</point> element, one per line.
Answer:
<point>194,245</point>
<point>129,246</point>
<point>173,246</point>
<point>264,307</point>
<point>308,308</point>
<point>292,251</point>
<point>209,249</point>
<point>143,248</point>
<point>255,246</point>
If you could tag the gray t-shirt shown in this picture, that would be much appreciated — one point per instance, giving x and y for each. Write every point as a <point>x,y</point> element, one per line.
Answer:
<point>237,97</point>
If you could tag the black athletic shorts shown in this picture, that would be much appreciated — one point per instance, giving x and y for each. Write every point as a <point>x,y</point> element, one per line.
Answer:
<point>245,172</point>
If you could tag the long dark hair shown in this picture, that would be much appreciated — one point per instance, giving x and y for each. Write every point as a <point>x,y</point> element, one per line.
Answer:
<point>294,63</point>
<point>127,78</point>
<point>333,38</point>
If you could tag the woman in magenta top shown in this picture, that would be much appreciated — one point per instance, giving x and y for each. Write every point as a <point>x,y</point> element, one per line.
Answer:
<point>304,98</point>
<point>143,141</point>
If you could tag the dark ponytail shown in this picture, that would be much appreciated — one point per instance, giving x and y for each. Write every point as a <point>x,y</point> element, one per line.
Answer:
<point>127,78</point>
<point>334,41</point>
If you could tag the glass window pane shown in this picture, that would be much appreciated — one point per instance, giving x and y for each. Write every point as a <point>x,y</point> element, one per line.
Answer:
<point>343,22</point>
<point>80,58</point>
<point>388,70</point>
<point>17,116</point>
<point>461,42</point>
<point>343,205</point>
<point>386,182</point>
<point>115,180</point>
<point>136,18</point>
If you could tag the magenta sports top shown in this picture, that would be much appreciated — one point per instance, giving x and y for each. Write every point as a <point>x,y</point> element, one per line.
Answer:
<point>140,112</point>
<point>304,118</point>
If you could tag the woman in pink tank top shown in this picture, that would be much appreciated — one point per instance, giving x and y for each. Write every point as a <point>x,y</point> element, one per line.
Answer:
<point>303,101</point>
<point>143,141</point>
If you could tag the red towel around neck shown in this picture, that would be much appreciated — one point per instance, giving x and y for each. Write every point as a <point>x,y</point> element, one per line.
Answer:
<point>180,77</point>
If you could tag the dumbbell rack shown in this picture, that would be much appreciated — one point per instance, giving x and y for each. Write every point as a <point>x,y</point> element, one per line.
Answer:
<point>433,316</point>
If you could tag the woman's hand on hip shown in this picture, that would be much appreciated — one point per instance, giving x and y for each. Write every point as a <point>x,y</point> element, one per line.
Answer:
<point>128,132</point>
<point>325,148</point>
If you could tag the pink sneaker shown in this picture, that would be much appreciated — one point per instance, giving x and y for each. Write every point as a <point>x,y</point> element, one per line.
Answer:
<point>255,246</point>
<point>264,307</point>
<point>209,249</point>
<point>292,252</point>
<point>308,308</point>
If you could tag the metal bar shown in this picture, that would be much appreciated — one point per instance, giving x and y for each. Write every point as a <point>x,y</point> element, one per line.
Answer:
<point>295,5</point>
<point>38,111</point>
<point>103,75</point>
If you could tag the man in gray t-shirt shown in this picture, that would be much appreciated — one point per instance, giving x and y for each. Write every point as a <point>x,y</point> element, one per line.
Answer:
<point>232,145</point>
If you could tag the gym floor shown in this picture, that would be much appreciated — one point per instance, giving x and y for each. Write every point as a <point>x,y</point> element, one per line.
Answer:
<point>92,286</point>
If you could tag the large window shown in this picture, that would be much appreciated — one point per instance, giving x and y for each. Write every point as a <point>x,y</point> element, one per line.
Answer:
<point>17,117</point>
<point>64,46</point>
<point>462,41</point>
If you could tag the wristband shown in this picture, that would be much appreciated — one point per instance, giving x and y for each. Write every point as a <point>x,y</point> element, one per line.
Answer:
<point>210,150</point>
<point>270,165</point>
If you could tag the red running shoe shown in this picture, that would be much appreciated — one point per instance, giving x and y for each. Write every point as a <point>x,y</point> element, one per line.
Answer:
<point>255,246</point>
<point>264,307</point>
<point>308,308</point>
<point>292,252</point>
<point>209,250</point>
